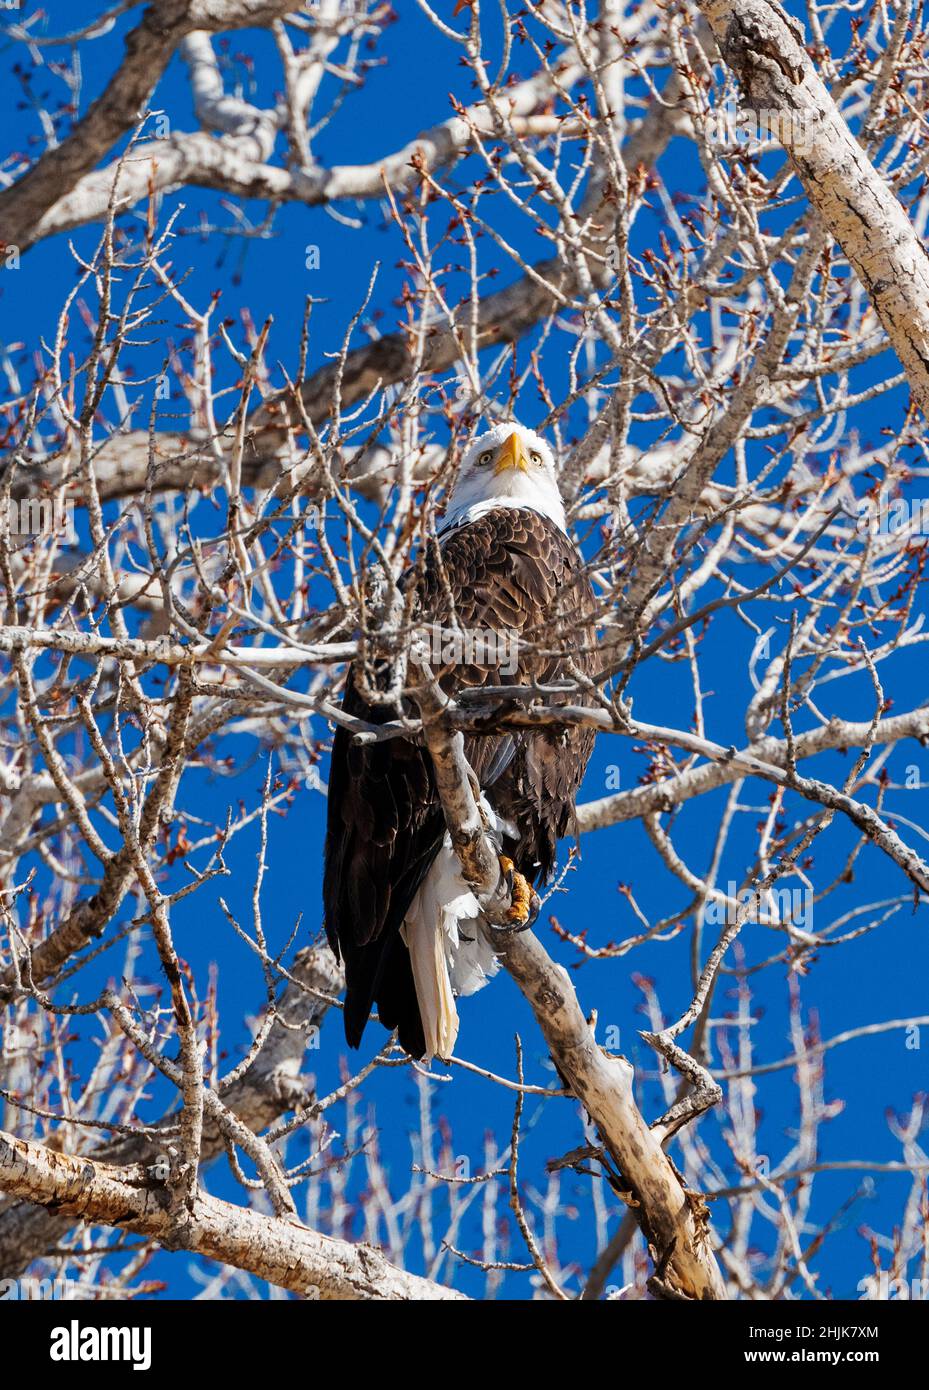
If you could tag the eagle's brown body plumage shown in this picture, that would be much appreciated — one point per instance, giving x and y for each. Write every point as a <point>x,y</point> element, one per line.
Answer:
<point>512,571</point>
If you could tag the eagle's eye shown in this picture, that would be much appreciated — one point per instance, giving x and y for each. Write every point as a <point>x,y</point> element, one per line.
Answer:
<point>485,457</point>
<point>536,456</point>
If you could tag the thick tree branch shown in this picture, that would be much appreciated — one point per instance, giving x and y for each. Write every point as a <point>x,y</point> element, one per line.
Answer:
<point>673,1221</point>
<point>285,1253</point>
<point>659,796</point>
<point>237,163</point>
<point>149,48</point>
<point>271,1087</point>
<point>764,47</point>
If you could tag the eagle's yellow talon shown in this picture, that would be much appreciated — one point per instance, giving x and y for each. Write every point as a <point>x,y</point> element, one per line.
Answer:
<point>523,901</point>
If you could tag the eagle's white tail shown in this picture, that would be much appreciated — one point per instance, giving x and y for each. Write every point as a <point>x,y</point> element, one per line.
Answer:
<point>425,938</point>
<point>447,949</point>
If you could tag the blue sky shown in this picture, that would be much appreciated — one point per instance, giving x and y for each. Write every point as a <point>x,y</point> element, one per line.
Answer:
<point>879,977</point>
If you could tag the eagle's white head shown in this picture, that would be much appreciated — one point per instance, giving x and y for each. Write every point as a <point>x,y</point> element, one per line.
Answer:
<point>509,466</point>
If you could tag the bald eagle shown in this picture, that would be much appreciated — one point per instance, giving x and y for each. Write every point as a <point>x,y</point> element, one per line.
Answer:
<point>506,578</point>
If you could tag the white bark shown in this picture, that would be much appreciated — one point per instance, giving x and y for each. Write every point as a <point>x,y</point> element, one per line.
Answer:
<point>675,1223</point>
<point>270,1087</point>
<point>149,48</point>
<point>764,48</point>
<point>282,1251</point>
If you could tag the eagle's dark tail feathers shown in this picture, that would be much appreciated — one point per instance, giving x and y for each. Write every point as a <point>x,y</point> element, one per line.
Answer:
<point>380,975</point>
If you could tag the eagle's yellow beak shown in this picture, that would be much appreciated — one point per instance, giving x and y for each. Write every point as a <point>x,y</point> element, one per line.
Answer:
<point>512,455</point>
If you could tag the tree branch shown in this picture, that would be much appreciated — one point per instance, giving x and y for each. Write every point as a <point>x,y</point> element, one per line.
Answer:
<point>285,1253</point>
<point>271,1086</point>
<point>764,47</point>
<point>673,1221</point>
<point>117,110</point>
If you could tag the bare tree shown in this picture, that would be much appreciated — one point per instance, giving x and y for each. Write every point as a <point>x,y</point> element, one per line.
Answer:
<point>191,557</point>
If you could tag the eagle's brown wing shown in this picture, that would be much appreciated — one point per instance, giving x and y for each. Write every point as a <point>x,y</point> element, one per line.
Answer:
<point>512,573</point>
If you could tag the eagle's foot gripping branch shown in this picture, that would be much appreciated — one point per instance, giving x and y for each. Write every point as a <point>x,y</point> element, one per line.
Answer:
<point>525,902</point>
